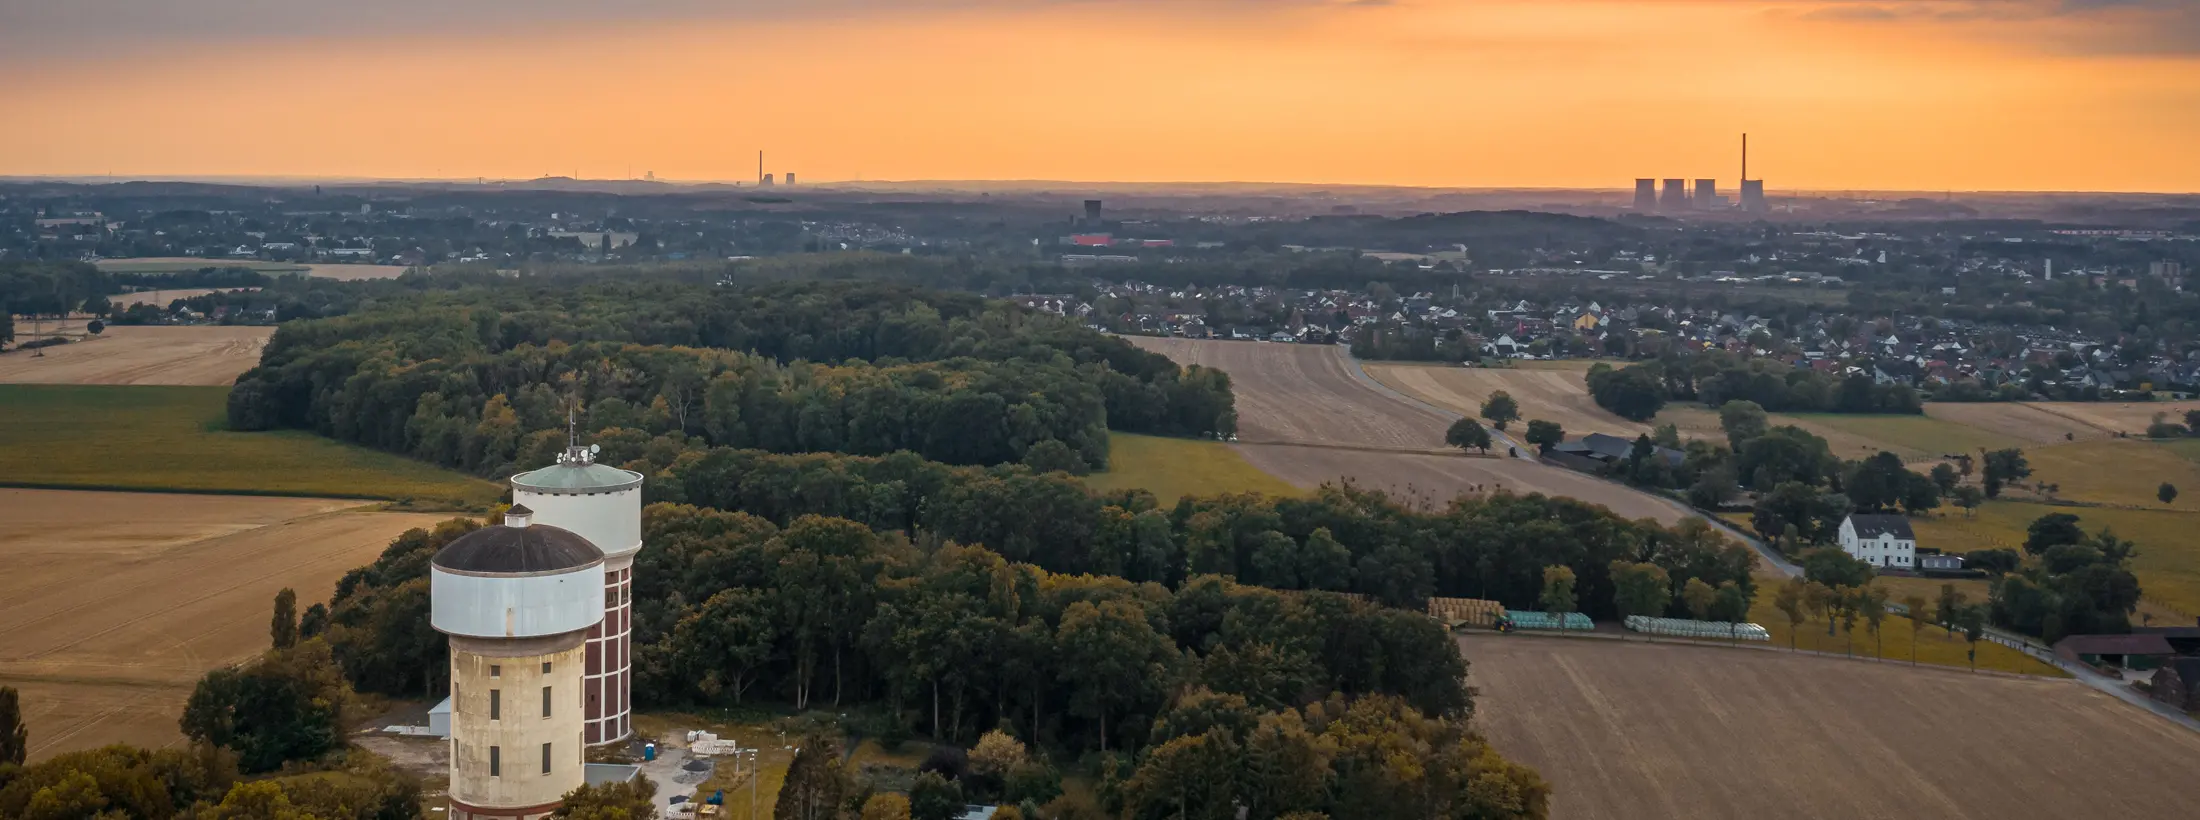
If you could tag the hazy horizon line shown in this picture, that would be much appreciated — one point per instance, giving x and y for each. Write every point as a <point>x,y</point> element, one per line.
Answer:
<point>277,180</point>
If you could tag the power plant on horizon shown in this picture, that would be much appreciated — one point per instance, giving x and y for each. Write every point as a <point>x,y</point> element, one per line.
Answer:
<point>1676,197</point>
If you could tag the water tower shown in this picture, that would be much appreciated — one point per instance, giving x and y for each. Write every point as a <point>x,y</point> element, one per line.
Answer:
<point>603,504</point>
<point>518,601</point>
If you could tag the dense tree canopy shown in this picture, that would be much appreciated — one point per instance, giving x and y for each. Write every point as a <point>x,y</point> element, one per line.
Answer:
<point>481,378</point>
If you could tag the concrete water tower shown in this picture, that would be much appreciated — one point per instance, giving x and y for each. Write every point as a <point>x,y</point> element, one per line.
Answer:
<point>518,601</point>
<point>604,505</point>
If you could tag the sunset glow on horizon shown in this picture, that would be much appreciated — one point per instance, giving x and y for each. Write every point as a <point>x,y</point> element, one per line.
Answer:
<point>1907,95</point>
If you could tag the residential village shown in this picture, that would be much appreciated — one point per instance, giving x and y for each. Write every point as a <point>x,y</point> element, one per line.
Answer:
<point>1924,352</point>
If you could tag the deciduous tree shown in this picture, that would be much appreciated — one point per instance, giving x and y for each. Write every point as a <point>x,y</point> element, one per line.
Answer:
<point>1545,435</point>
<point>284,630</point>
<point>1500,409</point>
<point>1558,591</point>
<point>1467,434</point>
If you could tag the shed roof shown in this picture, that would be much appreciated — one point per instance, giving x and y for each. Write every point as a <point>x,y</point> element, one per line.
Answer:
<point>2114,645</point>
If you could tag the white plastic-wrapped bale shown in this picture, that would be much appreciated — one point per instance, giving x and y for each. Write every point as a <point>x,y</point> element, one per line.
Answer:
<point>1684,628</point>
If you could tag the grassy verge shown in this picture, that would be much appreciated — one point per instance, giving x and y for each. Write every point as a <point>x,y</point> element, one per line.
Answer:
<point>170,439</point>
<point>1171,468</point>
<point>1933,645</point>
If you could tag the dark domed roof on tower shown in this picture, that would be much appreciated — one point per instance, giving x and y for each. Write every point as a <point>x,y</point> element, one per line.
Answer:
<point>518,547</point>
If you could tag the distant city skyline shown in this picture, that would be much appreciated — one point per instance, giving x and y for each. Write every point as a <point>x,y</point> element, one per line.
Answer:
<point>2035,95</point>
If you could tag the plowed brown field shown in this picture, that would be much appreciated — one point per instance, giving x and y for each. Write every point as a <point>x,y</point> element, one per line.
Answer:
<point>113,604</point>
<point>1303,417</point>
<point>196,355</point>
<point>1631,731</point>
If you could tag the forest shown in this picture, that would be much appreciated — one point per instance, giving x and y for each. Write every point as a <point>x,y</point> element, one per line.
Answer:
<point>466,377</point>
<point>1064,546</point>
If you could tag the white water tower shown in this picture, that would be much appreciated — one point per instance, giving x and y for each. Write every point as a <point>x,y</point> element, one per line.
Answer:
<point>518,601</point>
<point>604,505</point>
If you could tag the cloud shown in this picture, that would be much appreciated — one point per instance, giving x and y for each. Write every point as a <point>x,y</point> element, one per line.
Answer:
<point>2149,28</point>
<point>53,25</point>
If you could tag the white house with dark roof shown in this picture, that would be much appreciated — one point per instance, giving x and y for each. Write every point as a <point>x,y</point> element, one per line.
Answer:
<point>1880,540</point>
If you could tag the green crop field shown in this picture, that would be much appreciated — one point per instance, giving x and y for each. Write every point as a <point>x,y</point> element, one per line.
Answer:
<point>2168,563</point>
<point>2125,472</point>
<point>1915,438</point>
<point>171,439</point>
<point>1175,467</point>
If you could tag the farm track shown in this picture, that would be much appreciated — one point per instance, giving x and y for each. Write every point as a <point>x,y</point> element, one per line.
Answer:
<point>124,599</point>
<point>1635,731</point>
<point>1305,418</point>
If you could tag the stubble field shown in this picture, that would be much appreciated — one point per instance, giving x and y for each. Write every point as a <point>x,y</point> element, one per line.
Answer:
<point>1302,394</point>
<point>194,355</point>
<point>1304,418</point>
<point>114,604</point>
<point>2030,422</point>
<point>177,264</point>
<point>1633,731</point>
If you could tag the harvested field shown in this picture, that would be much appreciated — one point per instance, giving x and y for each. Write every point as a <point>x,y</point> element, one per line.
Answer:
<point>1634,731</point>
<point>196,355</point>
<point>162,298</point>
<point>1434,480</point>
<point>177,264</point>
<point>353,273</point>
<point>1550,395</point>
<point>2022,421</point>
<point>1304,418</point>
<point>2129,417</point>
<point>1303,394</point>
<point>115,603</point>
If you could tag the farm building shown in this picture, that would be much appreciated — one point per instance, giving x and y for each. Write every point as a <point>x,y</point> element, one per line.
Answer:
<point>1880,540</point>
<point>2134,651</point>
<point>1940,563</point>
<point>1599,449</point>
<point>2177,683</point>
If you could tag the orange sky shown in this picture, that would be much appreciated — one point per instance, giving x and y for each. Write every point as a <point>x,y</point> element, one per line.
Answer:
<point>1574,93</point>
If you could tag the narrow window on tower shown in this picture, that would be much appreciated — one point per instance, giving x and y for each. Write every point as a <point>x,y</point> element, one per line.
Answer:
<point>496,671</point>
<point>546,701</point>
<point>496,761</point>
<point>546,667</point>
<point>496,704</point>
<point>546,758</point>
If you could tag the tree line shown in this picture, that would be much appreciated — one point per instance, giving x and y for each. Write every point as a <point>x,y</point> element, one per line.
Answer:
<point>1715,377</point>
<point>1342,540</point>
